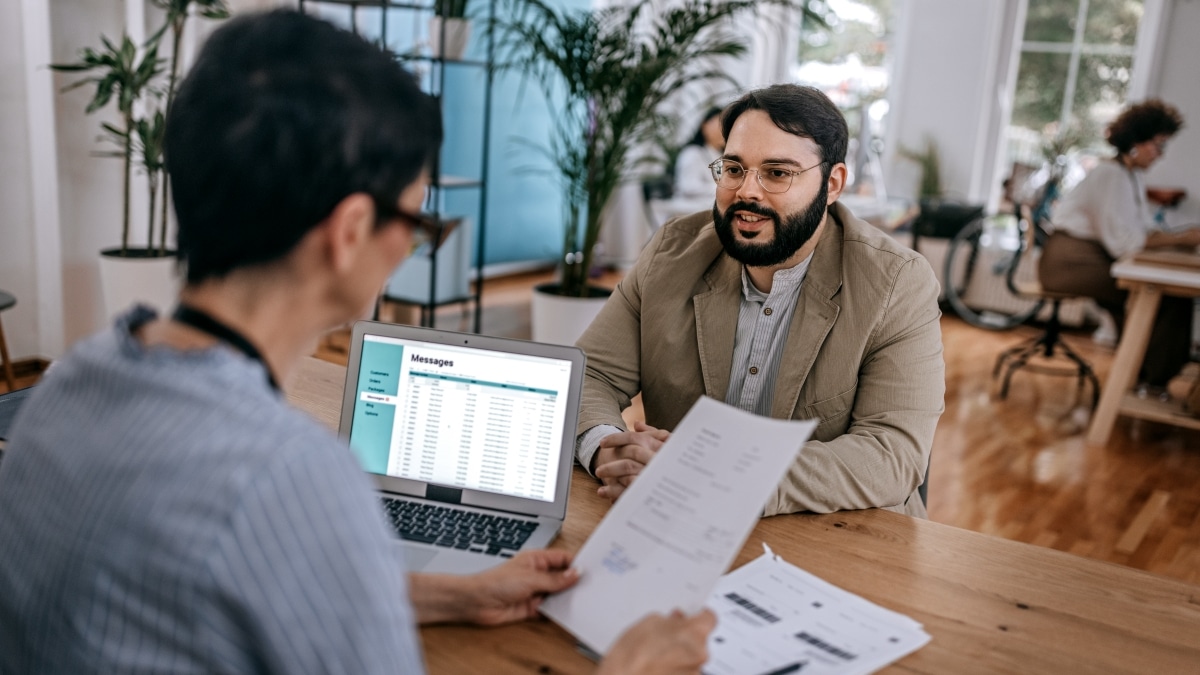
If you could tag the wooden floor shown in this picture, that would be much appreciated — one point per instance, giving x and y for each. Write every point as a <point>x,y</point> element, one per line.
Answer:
<point>1016,468</point>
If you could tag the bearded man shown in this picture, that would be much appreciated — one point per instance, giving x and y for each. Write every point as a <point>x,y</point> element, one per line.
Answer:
<point>782,303</point>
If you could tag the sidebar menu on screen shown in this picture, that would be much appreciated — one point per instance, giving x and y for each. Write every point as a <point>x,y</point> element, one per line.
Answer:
<point>375,410</point>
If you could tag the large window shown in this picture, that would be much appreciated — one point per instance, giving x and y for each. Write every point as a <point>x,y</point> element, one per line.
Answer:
<point>844,51</point>
<point>1076,64</point>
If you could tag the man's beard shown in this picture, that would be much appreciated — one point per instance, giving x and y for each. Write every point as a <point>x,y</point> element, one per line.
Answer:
<point>791,233</point>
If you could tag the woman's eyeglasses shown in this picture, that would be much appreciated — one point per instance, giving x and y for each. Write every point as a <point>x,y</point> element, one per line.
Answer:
<point>425,229</point>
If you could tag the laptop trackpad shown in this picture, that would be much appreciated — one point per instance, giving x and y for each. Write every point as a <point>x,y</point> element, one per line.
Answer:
<point>416,558</point>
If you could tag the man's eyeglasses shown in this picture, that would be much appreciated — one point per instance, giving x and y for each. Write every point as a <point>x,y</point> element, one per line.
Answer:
<point>774,178</point>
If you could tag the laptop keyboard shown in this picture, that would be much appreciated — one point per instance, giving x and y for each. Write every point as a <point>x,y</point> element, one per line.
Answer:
<point>453,528</point>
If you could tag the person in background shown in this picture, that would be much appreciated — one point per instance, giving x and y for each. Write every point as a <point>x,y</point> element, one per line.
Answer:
<point>779,301</point>
<point>162,507</point>
<point>692,177</point>
<point>1105,217</point>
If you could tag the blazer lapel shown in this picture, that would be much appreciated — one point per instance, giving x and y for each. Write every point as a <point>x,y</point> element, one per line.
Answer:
<point>815,315</point>
<point>716,323</point>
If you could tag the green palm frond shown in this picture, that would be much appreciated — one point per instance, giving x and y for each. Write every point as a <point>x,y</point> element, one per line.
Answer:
<point>177,12</point>
<point>120,73</point>
<point>617,67</point>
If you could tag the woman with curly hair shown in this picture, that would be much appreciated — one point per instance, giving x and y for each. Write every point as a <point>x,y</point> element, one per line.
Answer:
<point>1105,217</point>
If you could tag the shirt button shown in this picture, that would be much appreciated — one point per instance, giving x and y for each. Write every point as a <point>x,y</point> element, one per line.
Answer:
<point>767,311</point>
<point>753,370</point>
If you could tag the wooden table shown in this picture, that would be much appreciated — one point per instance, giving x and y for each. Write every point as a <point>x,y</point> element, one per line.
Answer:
<point>991,605</point>
<point>1148,276</point>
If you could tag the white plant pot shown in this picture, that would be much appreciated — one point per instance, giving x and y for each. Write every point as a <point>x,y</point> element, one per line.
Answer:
<point>561,320</point>
<point>125,281</point>
<point>456,33</point>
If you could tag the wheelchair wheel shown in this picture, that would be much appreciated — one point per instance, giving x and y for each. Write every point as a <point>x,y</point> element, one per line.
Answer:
<point>985,264</point>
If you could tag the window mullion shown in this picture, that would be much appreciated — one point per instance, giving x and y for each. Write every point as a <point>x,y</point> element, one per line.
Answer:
<point>1073,66</point>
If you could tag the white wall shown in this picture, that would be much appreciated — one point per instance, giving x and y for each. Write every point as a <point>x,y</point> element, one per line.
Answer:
<point>17,272</point>
<point>1179,84</point>
<point>943,89</point>
<point>89,186</point>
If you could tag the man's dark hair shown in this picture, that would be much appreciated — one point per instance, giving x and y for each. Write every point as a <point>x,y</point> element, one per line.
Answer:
<point>1141,123</point>
<point>801,111</point>
<point>282,117</point>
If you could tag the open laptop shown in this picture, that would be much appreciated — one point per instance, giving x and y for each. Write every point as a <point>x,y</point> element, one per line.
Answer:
<point>470,438</point>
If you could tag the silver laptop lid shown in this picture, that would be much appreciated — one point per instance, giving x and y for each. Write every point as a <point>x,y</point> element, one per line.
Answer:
<point>463,418</point>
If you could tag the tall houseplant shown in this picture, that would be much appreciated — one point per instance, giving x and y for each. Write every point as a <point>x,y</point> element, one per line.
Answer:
<point>123,75</point>
<point>119,75</point>
<point>606,74</point>
<point>133,78</point>
<point>175,21</point>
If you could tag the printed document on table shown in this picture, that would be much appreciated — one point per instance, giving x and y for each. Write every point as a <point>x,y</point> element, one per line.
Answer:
<point>775,618</point>
<point>676,529</point>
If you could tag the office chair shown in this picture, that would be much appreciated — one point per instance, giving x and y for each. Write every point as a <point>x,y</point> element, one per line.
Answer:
<point>1051,345</point>
<point>1060,358</point>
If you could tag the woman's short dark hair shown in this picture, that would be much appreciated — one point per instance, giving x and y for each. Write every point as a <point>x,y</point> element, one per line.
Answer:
<point>699,138</point>
<point>799,110</point>
<point>281,118</point>
<point>1142,122</point>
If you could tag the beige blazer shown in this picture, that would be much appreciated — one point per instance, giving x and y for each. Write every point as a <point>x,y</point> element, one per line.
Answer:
<point>864,357</point>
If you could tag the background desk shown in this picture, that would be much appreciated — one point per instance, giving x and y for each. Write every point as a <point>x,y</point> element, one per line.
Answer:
<point>991,605</point>
<point>1147,283</point>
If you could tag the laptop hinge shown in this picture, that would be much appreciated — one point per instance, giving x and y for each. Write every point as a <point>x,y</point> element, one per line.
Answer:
<point>443,494</point>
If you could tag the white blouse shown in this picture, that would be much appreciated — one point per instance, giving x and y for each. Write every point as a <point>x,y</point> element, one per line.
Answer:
<point>1108,206</point>
<point>692,175</point>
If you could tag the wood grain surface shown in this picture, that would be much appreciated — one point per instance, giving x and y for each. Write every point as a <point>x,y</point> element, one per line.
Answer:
<point>991,605</point>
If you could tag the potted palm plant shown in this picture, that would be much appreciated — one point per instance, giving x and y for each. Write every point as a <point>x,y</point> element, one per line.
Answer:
<point>606,74</point>
<point>130,77</point>
<point>449,29</point>
<point>123,74</point>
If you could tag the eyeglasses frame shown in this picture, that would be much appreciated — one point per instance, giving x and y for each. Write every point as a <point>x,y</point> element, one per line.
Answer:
<point>712,167</point>
<point>425,229</point>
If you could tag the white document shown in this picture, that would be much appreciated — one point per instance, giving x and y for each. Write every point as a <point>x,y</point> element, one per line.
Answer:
<point>676,529</point>
<point>775,618</point>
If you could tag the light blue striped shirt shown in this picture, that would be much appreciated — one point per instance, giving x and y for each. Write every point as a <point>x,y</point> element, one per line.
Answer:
<point>167,512</point>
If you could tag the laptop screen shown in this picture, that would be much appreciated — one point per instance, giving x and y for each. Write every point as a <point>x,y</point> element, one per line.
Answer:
<point>460,417</point>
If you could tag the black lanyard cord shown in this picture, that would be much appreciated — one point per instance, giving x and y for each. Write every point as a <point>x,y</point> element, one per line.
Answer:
<point>201,321</point>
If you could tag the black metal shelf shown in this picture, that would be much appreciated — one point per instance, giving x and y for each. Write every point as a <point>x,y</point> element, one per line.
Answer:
<point>425,58</point>
<point>442,182</point>
<point>451,182</point>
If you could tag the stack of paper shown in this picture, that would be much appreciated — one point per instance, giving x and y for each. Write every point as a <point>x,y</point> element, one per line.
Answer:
<point>677,528</point>
<point>775,618</point>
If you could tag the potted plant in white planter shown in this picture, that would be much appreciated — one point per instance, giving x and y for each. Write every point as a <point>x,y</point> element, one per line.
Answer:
<point>449,29</point>
<point>130,77</point>
<point>605,74</point>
